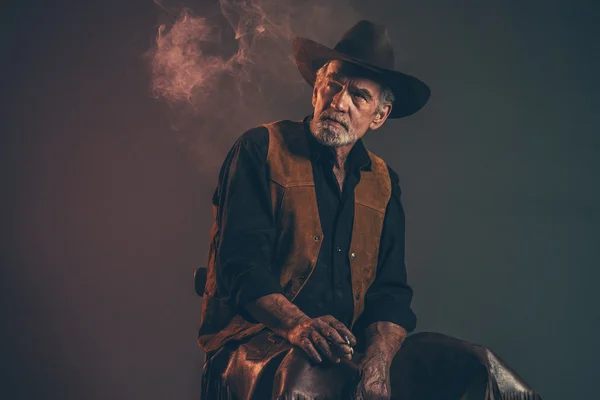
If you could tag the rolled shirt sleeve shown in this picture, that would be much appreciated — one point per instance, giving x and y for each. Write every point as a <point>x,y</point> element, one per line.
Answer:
<point>245,223</point>
<point>389,297</point>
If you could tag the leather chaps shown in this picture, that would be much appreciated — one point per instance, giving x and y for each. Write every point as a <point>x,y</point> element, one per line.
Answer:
<point>429,366</point>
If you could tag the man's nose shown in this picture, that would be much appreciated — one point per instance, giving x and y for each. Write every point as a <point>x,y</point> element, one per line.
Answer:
<point>340,100</point>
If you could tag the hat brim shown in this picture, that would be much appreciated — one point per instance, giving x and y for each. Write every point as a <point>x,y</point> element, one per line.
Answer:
<point>411,93</point>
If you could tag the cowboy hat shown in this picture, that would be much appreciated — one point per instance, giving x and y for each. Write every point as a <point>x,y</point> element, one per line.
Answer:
<point>368,45</point>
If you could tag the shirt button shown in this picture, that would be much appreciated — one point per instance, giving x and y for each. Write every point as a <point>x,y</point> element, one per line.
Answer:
<point>339,249</point>
<point>352,255</point>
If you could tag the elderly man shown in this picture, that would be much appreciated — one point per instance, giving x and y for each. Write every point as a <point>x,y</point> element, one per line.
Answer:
<point>307,294</point>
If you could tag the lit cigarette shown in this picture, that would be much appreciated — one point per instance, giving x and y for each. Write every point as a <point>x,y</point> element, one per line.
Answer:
<point>348,343</point>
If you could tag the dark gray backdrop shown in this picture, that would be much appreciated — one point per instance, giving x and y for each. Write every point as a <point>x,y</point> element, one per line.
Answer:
<point>106,208</point>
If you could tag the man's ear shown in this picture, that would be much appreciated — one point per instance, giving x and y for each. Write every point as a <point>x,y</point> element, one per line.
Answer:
<point>380,116</point>
<point>314,95</point>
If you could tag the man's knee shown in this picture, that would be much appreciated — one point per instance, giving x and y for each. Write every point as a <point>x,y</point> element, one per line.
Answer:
<point>297,376</point>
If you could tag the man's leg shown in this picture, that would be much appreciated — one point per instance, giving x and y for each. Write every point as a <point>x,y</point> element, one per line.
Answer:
<point>215,364</point>
<point>298,377</point>
<point>243,370</point>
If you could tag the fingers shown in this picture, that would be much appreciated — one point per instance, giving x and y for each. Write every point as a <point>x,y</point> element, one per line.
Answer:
<point>334,340</point>
<point>328,337</point>
<point>329,332</point>
<point>360,393</point>
<point>323,346</point>
<point>308,347</point>
<point>315,345</point>
<point>343,331</point>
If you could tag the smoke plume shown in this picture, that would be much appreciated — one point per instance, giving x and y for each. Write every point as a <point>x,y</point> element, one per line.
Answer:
<point>229,66</point>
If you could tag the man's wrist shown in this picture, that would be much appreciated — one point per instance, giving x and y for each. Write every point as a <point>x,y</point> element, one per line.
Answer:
<point>383,340</point>
<point>380,351</point>
<point>291,323</point>
<point>277,313</point>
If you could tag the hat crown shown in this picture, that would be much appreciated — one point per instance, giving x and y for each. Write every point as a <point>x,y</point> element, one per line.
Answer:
<point>368,42</point>
<point>367,45</point>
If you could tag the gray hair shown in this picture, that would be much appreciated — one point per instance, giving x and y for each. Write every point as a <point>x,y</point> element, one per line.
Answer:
<point>385,97</point>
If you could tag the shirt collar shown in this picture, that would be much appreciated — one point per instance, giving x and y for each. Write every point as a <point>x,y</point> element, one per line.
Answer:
<point>358,158</point>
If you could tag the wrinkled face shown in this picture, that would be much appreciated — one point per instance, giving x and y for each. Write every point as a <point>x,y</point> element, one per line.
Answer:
<point>346,105</point>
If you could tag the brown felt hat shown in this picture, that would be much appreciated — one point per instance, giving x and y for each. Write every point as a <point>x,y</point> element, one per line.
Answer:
<point>368,45</point>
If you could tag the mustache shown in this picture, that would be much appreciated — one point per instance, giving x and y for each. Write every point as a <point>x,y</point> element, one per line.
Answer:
<point>335,118</point>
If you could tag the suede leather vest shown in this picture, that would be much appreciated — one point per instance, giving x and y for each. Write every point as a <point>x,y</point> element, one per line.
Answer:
<point>299,234</point>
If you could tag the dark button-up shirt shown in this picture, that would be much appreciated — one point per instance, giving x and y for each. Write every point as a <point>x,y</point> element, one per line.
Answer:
<point>247,236</point>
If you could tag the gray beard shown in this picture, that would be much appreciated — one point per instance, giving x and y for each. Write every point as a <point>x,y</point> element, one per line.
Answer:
<point>331,136</point>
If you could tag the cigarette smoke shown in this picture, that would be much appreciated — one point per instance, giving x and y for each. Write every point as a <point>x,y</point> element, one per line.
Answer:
<point>226,69</point>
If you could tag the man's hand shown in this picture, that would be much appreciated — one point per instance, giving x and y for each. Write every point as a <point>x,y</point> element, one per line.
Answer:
<point>323,336</point>
<point>374,383</point>
<point>383,342</point>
